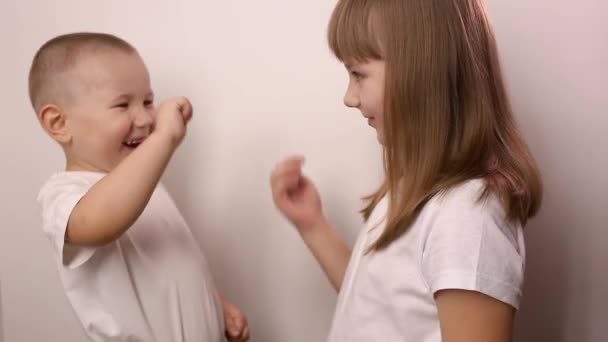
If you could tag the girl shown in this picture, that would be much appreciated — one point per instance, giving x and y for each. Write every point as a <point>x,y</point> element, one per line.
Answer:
<point>442,255</point>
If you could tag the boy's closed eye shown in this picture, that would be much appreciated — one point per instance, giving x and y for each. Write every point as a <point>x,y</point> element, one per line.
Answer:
<point>125,105</point>
<point>121,102</point>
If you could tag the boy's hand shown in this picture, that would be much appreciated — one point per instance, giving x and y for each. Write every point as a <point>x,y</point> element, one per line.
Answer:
<point>172,117</point>
<point>295,195</point>
<point>237,328</point>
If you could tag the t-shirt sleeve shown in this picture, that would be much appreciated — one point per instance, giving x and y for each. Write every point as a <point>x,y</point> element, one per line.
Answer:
<point>471,246</point>
<point>58,198</point>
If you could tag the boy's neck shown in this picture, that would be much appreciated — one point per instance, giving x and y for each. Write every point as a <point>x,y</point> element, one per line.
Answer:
<point>74,165</point>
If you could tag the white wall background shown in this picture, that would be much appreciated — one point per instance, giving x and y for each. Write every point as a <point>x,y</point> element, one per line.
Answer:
<point>264,85</point>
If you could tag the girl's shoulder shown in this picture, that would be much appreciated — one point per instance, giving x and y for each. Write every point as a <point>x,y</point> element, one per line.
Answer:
<point>468,198</point>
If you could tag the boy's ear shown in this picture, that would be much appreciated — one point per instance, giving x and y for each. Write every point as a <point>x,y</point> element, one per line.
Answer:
<point>54,121</point>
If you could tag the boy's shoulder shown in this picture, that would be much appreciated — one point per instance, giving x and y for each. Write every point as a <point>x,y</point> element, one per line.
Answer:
<point>67,182</point>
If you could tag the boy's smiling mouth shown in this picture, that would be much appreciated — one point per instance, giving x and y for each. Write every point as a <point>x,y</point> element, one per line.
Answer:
<point>133,142</point>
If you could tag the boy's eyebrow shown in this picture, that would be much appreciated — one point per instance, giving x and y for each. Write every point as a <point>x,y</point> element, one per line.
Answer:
<point>121,97</point>
<point>129,96</point>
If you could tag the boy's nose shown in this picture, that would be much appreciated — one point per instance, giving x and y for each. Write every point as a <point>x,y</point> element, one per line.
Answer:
<point>144,118</point>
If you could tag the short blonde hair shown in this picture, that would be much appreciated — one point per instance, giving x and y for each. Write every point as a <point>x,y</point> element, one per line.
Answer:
<point>55,58</point>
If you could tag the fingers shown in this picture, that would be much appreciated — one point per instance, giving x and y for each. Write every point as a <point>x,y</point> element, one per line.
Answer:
<point>286,177</point>
<point>287,168</point>
<point>237,329</point>
<point>292,160</point>
<point>233,327</point>
<point>245,335</point>
<point>182,104</point>
<point>185,107</point>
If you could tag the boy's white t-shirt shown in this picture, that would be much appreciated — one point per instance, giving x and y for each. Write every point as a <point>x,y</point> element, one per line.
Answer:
<point>456,242</point>
<point>153,284</point>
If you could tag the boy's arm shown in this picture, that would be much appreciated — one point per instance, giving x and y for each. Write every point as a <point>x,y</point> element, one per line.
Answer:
<point>113,204</point>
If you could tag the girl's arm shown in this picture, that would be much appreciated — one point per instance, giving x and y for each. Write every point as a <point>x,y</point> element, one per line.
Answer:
<point>469,316</point>
<point>298,200</point>
<point>329,250</point>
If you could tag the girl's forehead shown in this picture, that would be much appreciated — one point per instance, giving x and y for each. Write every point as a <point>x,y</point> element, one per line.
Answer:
<point>354,33</point>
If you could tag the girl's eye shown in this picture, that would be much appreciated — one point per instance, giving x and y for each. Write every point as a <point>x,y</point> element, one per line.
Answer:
<point>148,103</point>
<point>356,75</point>
<point>123,105</point>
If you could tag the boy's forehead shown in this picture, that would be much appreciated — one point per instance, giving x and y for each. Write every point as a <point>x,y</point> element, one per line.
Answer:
<point>110,68</point>
<point>108,62</point>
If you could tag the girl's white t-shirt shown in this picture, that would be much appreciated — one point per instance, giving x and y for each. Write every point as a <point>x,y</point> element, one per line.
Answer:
<point>456,242</point>
<point>153,284</point>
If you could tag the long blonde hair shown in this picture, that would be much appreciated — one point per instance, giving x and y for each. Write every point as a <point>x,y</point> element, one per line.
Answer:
<point>447,118</point>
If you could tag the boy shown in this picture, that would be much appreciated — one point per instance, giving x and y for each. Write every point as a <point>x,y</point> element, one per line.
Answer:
<point>128,262</point>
